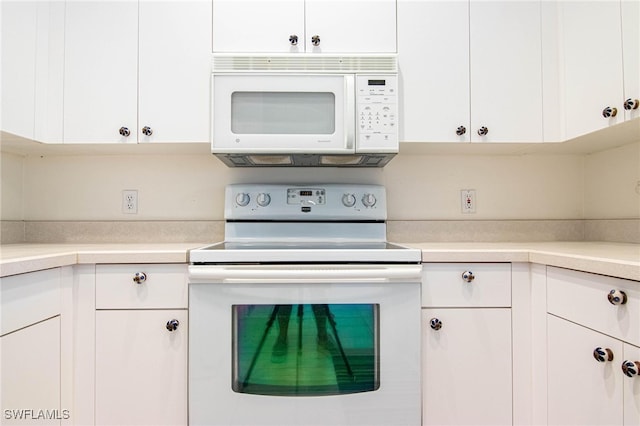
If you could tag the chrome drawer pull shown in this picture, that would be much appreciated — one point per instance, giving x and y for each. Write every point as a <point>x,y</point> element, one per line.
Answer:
<point>172,325</point>
<point>617,297</point>
<point>435,324</point>
<point>468,276</point>
<point>139,277</point>
<point>603,355</point>
<point>631,368</point>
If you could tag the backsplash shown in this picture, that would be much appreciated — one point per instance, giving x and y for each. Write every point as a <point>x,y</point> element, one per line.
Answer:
<point>624,231</point>
<point>78,198</point>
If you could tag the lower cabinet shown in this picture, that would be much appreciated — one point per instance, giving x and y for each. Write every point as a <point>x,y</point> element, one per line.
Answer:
<point>30,379</point>
<point>583,390</point>
<point>466,344</point>
<point>141,367</point>
<point>141,325</point>
<point>466,366</point>
<point>31,349</point>
<point>593,349</point>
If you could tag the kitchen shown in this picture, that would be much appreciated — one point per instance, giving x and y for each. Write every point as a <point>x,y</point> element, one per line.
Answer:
<point>581,190</point>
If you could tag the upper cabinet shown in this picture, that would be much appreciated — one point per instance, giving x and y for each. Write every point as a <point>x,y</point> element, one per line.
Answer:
<point>598,54</point>
<point>313,26</point>
<point>630,13</point>
<point>470,71</point>
<point>32,68</point>
<point>140,73</point>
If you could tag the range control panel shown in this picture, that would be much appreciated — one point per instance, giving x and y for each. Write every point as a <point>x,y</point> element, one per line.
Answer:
<point>377,108</point>
<point>324,202</point>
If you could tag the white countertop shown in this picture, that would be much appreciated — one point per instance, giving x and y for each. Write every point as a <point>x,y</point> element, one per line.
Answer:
<point>614,259</point>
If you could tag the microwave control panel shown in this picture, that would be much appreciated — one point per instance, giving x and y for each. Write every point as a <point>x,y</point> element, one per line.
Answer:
<point>377,111</point>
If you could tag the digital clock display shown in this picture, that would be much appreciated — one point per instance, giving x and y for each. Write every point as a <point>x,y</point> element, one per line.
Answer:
<point>377,82</point>
<point>311,196</point>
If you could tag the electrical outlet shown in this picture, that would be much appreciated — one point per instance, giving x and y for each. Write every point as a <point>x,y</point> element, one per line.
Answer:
<point>468,200</point>
<point>130,201</point>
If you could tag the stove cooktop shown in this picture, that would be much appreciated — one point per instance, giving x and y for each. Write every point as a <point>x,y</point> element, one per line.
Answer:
<point>304,252</point>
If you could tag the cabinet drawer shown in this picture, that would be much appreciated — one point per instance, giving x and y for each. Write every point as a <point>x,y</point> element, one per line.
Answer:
<point>444,285</point>
<point>582,298</point>
<point>29,298</point>
<point>141,286</point>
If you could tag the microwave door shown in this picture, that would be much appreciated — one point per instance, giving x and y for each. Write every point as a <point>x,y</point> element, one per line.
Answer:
<point>283,113</point>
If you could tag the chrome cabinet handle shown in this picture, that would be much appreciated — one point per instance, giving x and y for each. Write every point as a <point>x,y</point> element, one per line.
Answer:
<point>293,39</point>
<point>603,354</point>
<point>617,297</point>
<point>609,112</point>
<point>468,276</point>
<point>435,324</point>
<point>315,40</point>
<point>124,131</point>
<point>147,131</point>
<point>172,325</point>
<point>631,368</point>
<point>482,131</point>
<point>461,130</point>
<point>139,277</point>
<point>630,104</point>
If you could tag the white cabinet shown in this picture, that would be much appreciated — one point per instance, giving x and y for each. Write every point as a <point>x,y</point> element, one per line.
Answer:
<point>599,57</point>
<point>32,69</point>
<point>141,345</point>
<point>466,344</point>
<point>30,383</point>
<point>583,391</point>
<point>139,73</point>
<point>630,13</point>
<point>469,65</point>
<point>588,341</point>
<point>30,347</point>
<point>352,26</point>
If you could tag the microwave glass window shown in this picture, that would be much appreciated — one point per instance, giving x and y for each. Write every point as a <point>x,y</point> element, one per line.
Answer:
<point>283,113</point>
<point>305,349</point>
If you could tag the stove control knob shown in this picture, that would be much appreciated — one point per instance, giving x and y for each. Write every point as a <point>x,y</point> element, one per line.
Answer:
<point>369,200</point>
<point>349,200</point>
<point>242,199</point>
<point>263,199</point>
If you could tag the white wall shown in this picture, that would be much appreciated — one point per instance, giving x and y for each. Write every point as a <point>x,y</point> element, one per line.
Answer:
<point>612,183</point>
<point>11,186</point>
<point>190,187</point>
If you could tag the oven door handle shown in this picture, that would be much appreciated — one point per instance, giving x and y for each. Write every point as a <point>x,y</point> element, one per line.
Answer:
<point>296,273</point>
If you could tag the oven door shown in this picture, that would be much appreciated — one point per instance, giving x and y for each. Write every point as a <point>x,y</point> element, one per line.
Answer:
<point>283,113</point>
<point>304,345</point>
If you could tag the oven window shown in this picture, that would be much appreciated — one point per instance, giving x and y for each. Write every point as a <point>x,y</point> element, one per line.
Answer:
<point>306,349</point>
<point>283,113</point>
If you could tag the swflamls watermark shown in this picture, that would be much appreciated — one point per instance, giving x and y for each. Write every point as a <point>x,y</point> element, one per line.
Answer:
<point>36,414</point>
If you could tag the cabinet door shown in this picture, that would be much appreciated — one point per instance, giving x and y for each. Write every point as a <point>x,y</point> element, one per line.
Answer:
<point>30,379</point>
<point>101,71</point>
<point>467,367</point>
<point>141,367</point>
<point>506,74</point>
<point>351,26</point>
<point>258,25</point>
<point>631,53</point>
<point>433,55</point>
<point>174,71</point>
<point>591,64</point>
<point>631,389</point>
<point>19,35</point>
<point>581,390</point>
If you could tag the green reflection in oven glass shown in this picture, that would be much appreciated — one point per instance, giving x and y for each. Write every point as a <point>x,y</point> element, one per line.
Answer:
<point>306,349</point>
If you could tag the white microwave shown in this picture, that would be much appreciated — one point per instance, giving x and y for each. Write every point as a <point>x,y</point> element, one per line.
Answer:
<point>304,110</point>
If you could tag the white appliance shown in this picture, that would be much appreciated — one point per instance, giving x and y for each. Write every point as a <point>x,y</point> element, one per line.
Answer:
<point>304,110</point>
<point>304,315</point>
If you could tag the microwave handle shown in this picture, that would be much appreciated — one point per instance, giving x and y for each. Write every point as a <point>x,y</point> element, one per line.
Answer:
<point>349,111</point>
